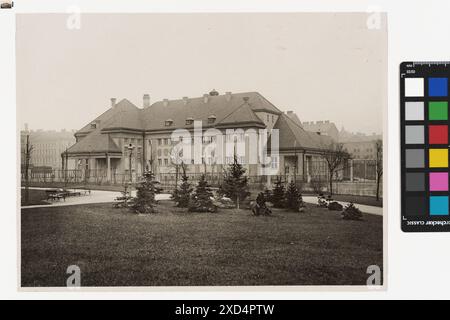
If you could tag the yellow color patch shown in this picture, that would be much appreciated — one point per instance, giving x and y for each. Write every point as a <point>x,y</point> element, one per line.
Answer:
<point>438,158</point>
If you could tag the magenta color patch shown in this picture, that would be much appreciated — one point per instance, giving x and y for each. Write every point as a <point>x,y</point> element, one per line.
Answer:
<point>438,181</point>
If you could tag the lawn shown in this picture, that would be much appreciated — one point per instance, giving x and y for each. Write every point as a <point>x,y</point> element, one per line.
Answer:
<point>113,247</point>
<point>35,197</point>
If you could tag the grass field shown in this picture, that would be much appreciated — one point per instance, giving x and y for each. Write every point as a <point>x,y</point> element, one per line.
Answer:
<point>116,248</point>
<point>35,197</point>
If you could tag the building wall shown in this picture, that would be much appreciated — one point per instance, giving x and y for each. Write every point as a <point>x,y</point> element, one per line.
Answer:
<point>361,150</point>
<point>47,147</point>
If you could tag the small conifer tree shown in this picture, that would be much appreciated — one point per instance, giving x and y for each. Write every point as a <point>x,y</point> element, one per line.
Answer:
<point>278,194</point>
<point>145,196</point>
<point>235,183</point>
<point>200,200</point>
<point>182,194</point>
<point>293,196</point>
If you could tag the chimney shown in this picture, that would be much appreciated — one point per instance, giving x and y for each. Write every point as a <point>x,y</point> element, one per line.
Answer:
<point>146,101</point>
<point>228,96</point>
<point>327,121</point>
<point>113,102</point>
<point>166,102</point>
<point>26,126</point>
<point>185,100</point>
<point>205,98</point>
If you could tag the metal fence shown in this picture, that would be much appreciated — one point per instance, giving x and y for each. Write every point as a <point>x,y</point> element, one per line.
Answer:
<point>350,176</point>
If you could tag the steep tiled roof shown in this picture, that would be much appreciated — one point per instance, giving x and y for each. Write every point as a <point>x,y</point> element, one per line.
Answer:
<point>120,111</point>
<point>228,110</point>
<point>242,114</point>
<point>222,106</point>
<point>289,132</point>
<point>94,142</point>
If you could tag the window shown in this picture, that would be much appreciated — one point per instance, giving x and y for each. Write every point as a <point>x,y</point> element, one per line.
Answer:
<point>159,162</point>
<point>189,121</point>
<point>159,152</point>
<point>166,162</point>
<point>166,152</point>
<point>273,118</point>
<point>168,122</point>
<point>211,119</point>
<point>159,142</point>
<point>274,162</point>
<point>268,118</point>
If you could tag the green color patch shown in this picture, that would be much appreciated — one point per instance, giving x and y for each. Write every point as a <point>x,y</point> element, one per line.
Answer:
<point>438,110</point>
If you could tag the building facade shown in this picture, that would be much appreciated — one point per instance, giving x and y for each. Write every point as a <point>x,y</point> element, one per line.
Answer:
<point>325,128</point>
<point>47,147</point>
<point>124,141</point>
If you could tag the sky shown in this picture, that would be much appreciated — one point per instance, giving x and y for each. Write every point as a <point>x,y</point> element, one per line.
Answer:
<point>323,66</point>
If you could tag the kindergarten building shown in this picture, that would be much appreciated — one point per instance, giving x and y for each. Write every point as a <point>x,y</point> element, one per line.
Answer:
<point>125,140</point>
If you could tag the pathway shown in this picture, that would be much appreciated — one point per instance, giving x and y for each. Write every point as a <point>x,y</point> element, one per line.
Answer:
<point>364,208</point>
<point>96,196</point>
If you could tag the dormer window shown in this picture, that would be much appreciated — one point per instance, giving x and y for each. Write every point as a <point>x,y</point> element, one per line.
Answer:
<point>189,121</point>
<point>168,122</point>
<point>93,125</point>
<point>211,118</point>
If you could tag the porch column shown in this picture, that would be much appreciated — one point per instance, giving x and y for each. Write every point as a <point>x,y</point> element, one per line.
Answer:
<point>351,170</point>
<point>108,168</point>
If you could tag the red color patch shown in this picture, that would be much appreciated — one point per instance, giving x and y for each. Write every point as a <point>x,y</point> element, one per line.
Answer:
<point>438,134</point>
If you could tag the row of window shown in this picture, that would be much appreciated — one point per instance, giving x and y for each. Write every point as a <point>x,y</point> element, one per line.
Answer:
<point>190,121</point>
<point>273,118</point>
<point>212,160</point>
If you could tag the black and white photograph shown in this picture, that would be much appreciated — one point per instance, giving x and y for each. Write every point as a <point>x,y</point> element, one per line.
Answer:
<point>201,149</point>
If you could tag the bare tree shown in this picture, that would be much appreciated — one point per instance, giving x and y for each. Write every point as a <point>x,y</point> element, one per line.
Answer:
<point>334,157</point>
<point>379,164</point>
<point>28,150</point>
<point>177,162</point>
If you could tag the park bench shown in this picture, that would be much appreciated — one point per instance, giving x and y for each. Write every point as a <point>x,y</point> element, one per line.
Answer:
<point>56,194</point>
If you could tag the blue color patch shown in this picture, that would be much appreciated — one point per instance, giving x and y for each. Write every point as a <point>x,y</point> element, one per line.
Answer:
<point>439,205</point>
<point>437,87</point>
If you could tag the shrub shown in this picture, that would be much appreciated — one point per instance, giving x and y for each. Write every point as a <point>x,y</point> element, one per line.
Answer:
<point>335,206</point>
<point>259,207</point>
<point>125,200</point>
<point>322,201</point>
<point>201,199</point>
<point>351,212</point>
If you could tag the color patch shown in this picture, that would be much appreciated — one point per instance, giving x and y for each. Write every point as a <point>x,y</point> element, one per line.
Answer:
<point>438,134</point>
<point>437,110</point>
<point>438,158</point>
<point>425,146</point>
<point>415,206</point>
<point>415,181</point>
<point>438,205</point>
<point>438,181</point>
<point>414,135</point>
<point>437,87</point>
<point>414,87</point>
<point>414,110</point>
<point>414,158</point>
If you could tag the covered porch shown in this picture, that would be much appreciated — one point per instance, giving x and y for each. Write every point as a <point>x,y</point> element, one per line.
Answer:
<point>93,168</point>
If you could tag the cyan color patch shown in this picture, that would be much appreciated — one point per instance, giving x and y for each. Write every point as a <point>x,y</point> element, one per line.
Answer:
<point>439,205</point>
<point>437,87</point>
